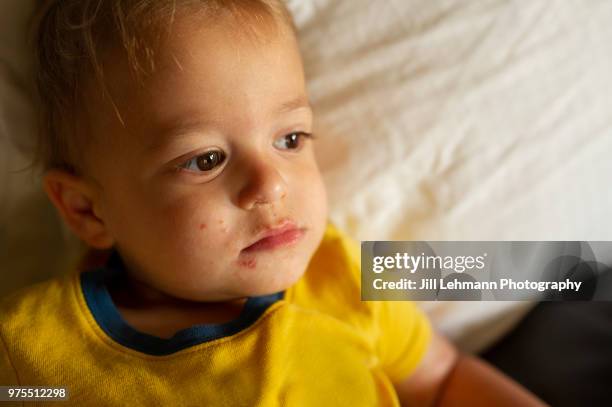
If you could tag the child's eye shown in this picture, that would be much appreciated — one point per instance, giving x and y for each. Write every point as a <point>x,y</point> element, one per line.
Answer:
<point>292,140</point>
<point>204,162</point>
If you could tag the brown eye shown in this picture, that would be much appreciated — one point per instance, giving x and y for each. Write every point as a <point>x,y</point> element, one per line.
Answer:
<point>205,162</point>
<point>292,141</point>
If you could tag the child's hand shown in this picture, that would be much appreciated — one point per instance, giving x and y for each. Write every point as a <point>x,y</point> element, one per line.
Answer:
<point>446,377</point>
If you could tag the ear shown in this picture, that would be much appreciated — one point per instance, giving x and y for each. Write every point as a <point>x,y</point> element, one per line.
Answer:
<point>76,201</point>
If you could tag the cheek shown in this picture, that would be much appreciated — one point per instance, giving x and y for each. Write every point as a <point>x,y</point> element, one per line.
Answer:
<point>200,220</point>
<point>174,219</point>
<point>322,197</point>
<point>208,223</point>
<point>313,195</point>
<point>214,230</point>
<point>319,209</point>
<point>195,236</point>
<point>321,212</point>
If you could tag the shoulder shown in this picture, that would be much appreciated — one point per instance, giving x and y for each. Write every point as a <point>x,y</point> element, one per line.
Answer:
<point>400,329</point>
<point>30,305</point>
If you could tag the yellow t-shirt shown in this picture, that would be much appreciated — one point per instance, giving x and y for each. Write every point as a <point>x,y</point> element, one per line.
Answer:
<point>315,344</point>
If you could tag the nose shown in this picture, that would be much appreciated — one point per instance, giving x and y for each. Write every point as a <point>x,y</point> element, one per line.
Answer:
<point>264,185</point>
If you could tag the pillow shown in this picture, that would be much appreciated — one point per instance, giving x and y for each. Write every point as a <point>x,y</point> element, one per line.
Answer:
<point>33,244</point>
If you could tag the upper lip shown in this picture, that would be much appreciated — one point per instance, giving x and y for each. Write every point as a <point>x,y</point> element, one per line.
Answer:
<point>268,231</point>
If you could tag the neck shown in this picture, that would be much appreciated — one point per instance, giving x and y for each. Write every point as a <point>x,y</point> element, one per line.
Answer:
<point>134,293</point>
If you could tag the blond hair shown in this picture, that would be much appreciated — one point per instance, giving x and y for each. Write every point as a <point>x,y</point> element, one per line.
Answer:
<point>70,38</point>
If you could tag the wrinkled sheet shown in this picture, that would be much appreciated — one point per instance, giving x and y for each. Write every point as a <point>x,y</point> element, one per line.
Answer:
<point>437,120</point>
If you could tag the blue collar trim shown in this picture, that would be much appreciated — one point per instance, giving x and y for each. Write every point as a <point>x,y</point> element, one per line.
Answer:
<point>94,285</point>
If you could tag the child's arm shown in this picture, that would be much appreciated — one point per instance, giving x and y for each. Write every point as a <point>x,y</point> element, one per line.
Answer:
<point>446,377</point>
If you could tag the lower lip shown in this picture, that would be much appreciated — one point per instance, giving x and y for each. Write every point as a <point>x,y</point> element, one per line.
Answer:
<point>283,239</point>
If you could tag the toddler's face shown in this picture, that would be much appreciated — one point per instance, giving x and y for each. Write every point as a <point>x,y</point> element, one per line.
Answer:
<point>210,156</point>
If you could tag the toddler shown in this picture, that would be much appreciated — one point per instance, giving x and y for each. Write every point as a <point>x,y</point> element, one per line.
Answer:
<point>176,136</point>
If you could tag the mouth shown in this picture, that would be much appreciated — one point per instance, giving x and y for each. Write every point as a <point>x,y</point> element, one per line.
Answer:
<point>283,236</point>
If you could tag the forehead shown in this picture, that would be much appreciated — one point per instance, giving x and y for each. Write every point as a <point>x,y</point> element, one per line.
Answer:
<point>210,71</point>
<point>217,67</point>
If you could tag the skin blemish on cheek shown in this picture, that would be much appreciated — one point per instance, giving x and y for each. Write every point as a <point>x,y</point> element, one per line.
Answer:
<point>202,226</point>
<point>223,229</point>
<point>249,263</point>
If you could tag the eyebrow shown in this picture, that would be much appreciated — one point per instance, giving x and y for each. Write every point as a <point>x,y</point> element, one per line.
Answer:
<point>187,126</point>
<point>294,104</point>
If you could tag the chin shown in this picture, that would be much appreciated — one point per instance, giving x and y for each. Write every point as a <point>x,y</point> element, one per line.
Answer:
<point>275,286</point>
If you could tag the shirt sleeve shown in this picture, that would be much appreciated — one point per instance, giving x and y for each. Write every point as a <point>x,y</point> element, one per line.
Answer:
<point>402,330</point>
<point>403,337</point>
